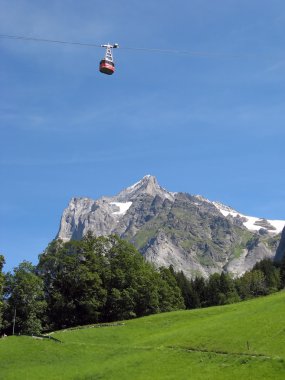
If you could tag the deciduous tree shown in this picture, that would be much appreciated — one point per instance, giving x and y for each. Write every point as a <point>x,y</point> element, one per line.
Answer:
<point>25,299</point>
<point>2,262</point>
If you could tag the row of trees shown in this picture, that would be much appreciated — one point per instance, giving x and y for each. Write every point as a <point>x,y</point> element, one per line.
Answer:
<point>265,277</point>
<point>103,279</point>
<point>82,282</point>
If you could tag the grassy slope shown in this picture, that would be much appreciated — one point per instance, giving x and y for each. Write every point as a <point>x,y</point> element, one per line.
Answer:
<point>161,347</point>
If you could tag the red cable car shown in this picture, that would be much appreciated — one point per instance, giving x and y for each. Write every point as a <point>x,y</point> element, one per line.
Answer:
<point>107,65</point>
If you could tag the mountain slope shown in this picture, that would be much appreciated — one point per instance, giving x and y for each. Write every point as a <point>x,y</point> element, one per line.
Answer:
<point>189,232</point>
<point>239,341</point>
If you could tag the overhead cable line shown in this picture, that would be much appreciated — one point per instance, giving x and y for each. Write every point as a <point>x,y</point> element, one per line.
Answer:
<point>154,50</point>
<point>11,37</point>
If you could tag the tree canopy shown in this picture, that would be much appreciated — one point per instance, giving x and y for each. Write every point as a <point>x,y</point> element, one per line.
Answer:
<point>2,278</point>
<point>25,299</point>
<point>104,279</point>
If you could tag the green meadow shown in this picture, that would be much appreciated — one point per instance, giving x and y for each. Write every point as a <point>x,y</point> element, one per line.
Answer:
<point>240,341</point>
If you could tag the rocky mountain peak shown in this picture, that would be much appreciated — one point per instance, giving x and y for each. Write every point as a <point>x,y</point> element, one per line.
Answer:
<point>189,232</point>
<point>147,185</point>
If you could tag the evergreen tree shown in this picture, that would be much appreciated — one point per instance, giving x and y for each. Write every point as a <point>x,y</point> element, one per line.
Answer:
<point>282,273</point>
<point>199,287</point>
<point>271,273</point>
<point>170,294</point>
<point>213,290</point>
<point>251,284</point>
<point>190,296</point>
<point>228,291</point>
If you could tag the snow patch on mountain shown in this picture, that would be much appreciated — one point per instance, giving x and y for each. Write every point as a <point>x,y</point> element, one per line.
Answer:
<point>187,231</point>
<point>123,207</point>
<point>252,223</point>
<point>202,199</point>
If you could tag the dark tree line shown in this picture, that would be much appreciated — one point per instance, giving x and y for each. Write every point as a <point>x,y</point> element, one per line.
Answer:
<point>266,277</point>
<point>104,279</point>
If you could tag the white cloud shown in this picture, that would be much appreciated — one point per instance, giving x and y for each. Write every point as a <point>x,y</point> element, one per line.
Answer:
<point>277,66</point>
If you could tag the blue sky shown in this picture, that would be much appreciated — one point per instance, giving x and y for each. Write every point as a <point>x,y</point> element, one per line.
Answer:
<point>209,125</point>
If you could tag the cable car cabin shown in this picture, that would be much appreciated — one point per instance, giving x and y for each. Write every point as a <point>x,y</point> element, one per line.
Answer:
<point>107,67</point>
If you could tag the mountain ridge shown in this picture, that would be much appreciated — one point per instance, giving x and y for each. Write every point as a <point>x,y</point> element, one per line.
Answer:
<point>187,231</point>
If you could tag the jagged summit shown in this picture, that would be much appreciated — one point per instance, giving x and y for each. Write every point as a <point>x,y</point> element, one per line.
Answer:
<point>103,216</point>
<point>147,185</point>
<point>189,232</point>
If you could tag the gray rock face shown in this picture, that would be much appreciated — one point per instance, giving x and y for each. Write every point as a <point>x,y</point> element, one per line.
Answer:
<point>280,253</point>
<point>189,232</point>
<point>147,186</point>
<point>248,258</point>
<point>107,214</point>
